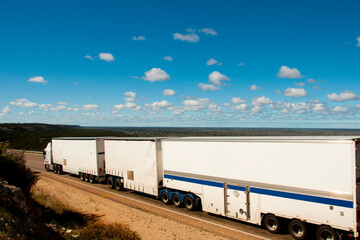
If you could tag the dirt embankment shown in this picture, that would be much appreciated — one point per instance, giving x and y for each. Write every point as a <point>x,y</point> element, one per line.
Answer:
<point>148,225</point>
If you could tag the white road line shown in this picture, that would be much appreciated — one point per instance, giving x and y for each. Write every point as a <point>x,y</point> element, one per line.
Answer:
<point>182,214</point>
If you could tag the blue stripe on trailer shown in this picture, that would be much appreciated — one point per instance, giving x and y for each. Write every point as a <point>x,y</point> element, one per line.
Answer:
<point>193,180</point>
<point>302,197</point>
<point>275,193</point>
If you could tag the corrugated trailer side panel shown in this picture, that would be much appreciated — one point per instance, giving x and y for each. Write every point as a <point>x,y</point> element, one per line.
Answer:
<point>135,161</point>
<point>76,155</point>
<point>308,180</point>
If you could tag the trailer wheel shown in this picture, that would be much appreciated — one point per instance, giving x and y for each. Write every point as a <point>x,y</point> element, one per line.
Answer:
<point>189,203</point>
<point>165,197</point>
<point>326,233</point>
<point>86,176</point>
<point>55,168</point>
<point>110,182</point>
<point>59,170</point>
<point>176,200</point>
<point>82,177</point>
<point>272,223</point>
<point>118,185</point>
<point>298,229</point>
<point>92,178</point>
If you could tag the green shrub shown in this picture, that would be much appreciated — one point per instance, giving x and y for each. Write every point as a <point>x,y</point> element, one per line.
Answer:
<point>116,231</point>
<point>13,169</point>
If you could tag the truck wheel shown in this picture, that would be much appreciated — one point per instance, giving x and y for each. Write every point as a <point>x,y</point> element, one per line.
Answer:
<point>92,179</point>
<point>110,182</point>
<point>118,185</point>
<point>298,229</point>
<point>176,200</point>
<point>189,203</point>
<point>59,170</point>
<point>272,223</point>
<point>165,197</point>
<point>86,176</point>
<point>326,233</point>
<point>55,168</point>
<point>82,177</point>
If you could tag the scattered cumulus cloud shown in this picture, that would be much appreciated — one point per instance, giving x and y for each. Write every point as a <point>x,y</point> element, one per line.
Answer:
<point>358,41</point>
<point>216,78</point>
<point>237,100</point>
<point>37,79</point>
<point>130,94</point>
<point>299,84</point>
<point>23,103</point>
<point>214,107</point>
<point>344,96</point>
<point>208,87</point>
<point>253,87</point>
<point>191,37</point>
<point>310,80</point>
<point>168,58</point>
<point>339,109</point>
<point>241,107</point>
<point>61,103</point>
<point>286,72</point>
<point>212,61</point>
<point>5,110</point>
<point>259,101</point>
<point>195,104</point>
<point>156,75</point>
<point>89,57</point>
<point>241,64</point>
<point>159,105</point>
<point>90,107</point>
<point>295,92</point>
<point>139,38</point>
<point>169,92</point>
<point>108,57</point>
<point>118,107</point>
<point>208,31</point>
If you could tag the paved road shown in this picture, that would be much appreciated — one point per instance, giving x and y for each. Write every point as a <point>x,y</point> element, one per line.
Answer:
<point>228,228</point>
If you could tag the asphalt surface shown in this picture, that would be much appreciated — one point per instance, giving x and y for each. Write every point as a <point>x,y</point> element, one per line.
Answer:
<point>220,226</point>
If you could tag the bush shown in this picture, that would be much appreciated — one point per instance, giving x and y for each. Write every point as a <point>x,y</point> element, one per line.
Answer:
<point>13,169</point>
<point>116,231</point>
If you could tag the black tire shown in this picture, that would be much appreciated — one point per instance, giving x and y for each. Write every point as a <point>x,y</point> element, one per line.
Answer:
<point>165,197</point>
<point>55,168</point>
<point>82,177</point>
<point>110,182</point>
<point>326,233</point>
<point>86,176</point>
<point>189,203</point>
<point>272,223</point>
<point>92,178</point>
<point>176,200</point>
<point>298,229</point>
<point>118,184</point>
<point>59,170</point>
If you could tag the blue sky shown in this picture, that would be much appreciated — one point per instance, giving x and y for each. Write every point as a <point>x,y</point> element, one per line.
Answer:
<point>186,63</point>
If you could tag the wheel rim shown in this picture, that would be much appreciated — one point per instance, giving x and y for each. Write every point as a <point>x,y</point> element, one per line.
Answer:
<point>188,203</point>
<point>297,230</point>
<point>176,200</point>
<point>165,197</point>
<point>272,224</point>
<point>326,235</point>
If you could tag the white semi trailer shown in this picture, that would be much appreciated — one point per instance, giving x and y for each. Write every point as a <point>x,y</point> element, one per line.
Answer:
<point>80,156</point>
<point>297,182</point>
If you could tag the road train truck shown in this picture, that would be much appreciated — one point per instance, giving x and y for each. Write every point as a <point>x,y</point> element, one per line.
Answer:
<point>299,183</point>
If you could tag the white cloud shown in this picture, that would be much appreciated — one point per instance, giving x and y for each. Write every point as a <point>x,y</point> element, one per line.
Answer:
<point>31,112</point>
<point>130,94</point>
<point>208,31</point>
<point>89,57</point>
<point>90,107</point>
<point>310,80</point>
<point>168,58</point>
<point>286,72</point>
<point>253,87</point>
<point>208,87</point>
<point>23,103</point>
<point>169,92</point>
<point>37,79</point>
<point>278,91</point>
<point>61,103</point>
<point>344,96</point>
<point>299,84</point>
<point>295,92</point>
<point>5,110</point>
<point>118,107</point>
<point>129,99</point>
<point>108,57</point>
<point>318,107</point>
<point>57,108</point>
<point>213,107</point>
<point>195,104</point>
<point>139,38</point>
<point>212,61</point>
<point>159,105</point>
<point>241,107</point>
<point>241,64</point>
<point>357,105</point>
<point>21,113</point>
<point>216,78</point>
<point>237,100</point>
<point>259,101</point>
<point>156,75</point>
<point>191,37</point>
<point>339,109</point>
<point>130,105</point>
<point>358,41</point>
